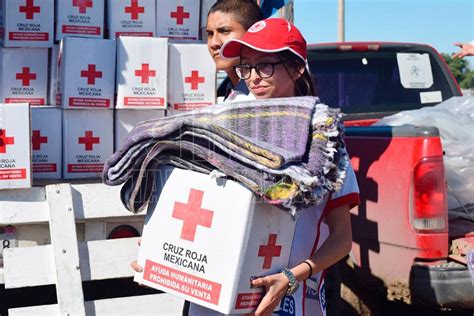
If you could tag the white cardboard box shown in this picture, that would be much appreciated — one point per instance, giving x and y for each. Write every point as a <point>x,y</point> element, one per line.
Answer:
<point>80,18</point>
<point>131,18</point>
<point>209,238</point>
<point>142,76</point>
<point>178,19</point>
<point>53,75</point>
<point>15,158</point>
<point>86,73</point>
<point>23,75</point>
<point>26,23</point>
<point>46,143</point>
<point>192,74</point>
<point>126,120</point>
<point>87,142</point>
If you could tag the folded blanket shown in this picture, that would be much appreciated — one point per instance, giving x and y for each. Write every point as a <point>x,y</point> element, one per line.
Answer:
<point>288,151</point>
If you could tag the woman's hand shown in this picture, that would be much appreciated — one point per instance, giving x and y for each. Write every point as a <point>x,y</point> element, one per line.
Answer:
<point>276,286</point>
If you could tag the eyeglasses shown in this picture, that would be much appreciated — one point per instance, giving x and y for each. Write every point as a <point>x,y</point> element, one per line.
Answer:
<point>264,70</point>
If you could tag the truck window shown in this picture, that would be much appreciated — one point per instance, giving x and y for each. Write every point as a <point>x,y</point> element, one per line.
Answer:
<point>369,81</point>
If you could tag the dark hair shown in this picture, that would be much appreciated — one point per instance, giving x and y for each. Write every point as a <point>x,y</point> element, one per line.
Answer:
<point>304,85</point>
<point>245,12</point>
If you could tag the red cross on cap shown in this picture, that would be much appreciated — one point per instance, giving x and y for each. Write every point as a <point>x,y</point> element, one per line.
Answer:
<point>194,80</point>
<point>192,214</point>
<point>4,141</point>
<point>269,251</point>
<point>37,139</point>
<point>25,76</point>
<point>91,74</point>
<point>82,5</point>
<point>134,10</point>
<point>30,9</point>
<point>145,73</point>
<point>89,140</point>
<point>180,15</point>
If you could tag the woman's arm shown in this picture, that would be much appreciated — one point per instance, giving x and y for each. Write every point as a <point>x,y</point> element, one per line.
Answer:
<point>332,250</point>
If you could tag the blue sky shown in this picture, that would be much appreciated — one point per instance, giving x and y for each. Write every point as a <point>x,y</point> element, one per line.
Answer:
<point>438,23</point>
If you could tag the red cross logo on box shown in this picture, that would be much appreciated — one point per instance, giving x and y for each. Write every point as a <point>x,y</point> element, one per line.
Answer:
<point>145,73</point>
<point>89,140</point>
<point>25,76</point>
<point>82,5</point>
<point>4,141</point>
<point>180,15</point>
<point>91,74</point>
<point>30,9</point>
<point>37,139</point>
<point>134,10</point>
<point>192,214</point>
<point>269,251</point>
<point>194,80</point>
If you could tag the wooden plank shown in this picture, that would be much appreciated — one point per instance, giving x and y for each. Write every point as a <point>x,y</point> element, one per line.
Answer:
<point>101,259</point>
<point>91,201</point>
<point>154,304</point>
<point>23,206</point>
<point>98,201</point>
<point>62,226</point>
<point>29,266</point>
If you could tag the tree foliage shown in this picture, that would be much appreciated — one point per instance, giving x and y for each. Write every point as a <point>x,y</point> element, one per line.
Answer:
<point>461,71</point>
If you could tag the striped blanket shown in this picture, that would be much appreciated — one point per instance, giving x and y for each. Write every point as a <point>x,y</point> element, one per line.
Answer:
<point>288,151</point>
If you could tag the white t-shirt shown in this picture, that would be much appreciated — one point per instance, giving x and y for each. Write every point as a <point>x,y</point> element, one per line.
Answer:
<point>310,234</point>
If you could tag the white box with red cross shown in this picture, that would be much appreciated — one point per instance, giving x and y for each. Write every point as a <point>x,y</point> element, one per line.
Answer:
<point>178,20</point>
<point>80,18</point>
<point>86,73</point>
<point>131,18</point>
<point>87,142</point>
<point>142,76</point>
<point>192,74</point>
<point>46,142</point>
<point>204,238</point>
<point>15,159</point>
<point>24,75</point>
<point>125,120</point>
<point>27,23</point>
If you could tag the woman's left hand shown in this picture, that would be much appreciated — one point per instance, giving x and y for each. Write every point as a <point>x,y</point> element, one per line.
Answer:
<point>276,286</point>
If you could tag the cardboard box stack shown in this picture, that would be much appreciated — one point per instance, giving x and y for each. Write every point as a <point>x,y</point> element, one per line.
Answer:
<point>15,154</point>
<point>202,221</point>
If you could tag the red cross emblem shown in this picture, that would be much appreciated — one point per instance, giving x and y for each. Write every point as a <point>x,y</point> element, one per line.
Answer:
<point>37,140</point>
<point>192,214</point>
<point>82,5</point>
<point>91,74</point>
<point>145,73</point>
<point>134,10</point>
<point>30,9</point>
<point>25,76</point>
<point>269,251</point>
<point>89,140</point>
<point>4,141</point>
<point>180,15</point>
<point>194,80</point>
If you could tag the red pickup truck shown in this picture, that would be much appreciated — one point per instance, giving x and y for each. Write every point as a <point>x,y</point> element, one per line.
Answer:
<point>401,233</point>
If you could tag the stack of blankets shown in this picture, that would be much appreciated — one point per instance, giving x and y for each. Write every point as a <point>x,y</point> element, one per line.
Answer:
<point>288,151</point>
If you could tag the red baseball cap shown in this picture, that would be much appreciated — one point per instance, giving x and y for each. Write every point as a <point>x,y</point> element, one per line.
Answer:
<point>272,36</point>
